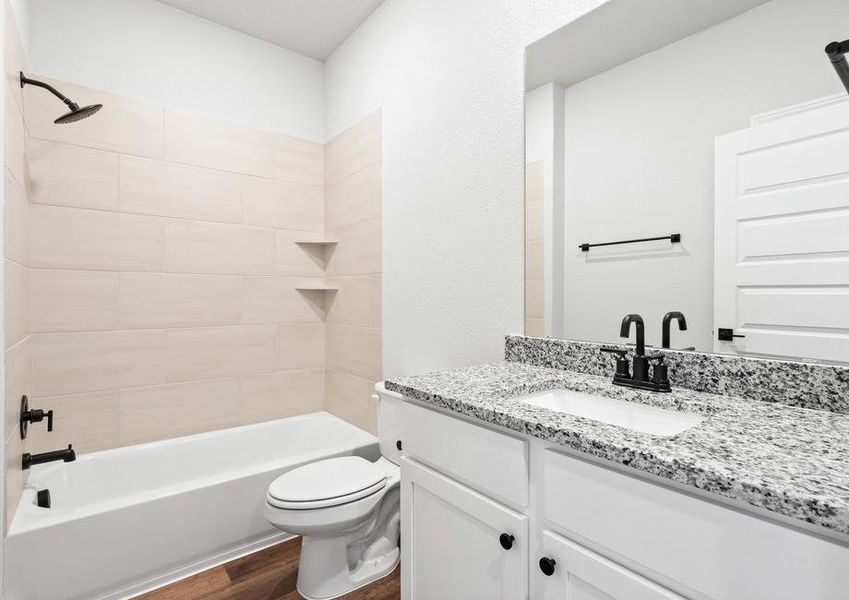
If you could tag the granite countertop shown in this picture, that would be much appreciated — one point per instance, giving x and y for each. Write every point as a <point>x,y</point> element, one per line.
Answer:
<point>792,461</point>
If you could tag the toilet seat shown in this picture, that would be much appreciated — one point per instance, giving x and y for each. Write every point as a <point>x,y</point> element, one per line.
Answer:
<point>326,483</point>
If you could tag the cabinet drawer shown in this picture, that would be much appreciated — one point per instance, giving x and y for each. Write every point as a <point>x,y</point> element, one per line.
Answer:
<point>581,573</point>
<point>700,548</point>
<point>492,462</point>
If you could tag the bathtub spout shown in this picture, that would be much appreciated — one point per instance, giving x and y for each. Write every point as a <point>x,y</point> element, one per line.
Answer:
<point>45,457</point>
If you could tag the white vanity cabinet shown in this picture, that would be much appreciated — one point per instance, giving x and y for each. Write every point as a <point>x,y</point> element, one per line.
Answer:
<point>573,572</point>
<point>458,543</point>
<point>603,533</point>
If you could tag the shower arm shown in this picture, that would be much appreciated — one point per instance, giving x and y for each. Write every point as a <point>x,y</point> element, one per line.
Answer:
<point>837,55</point>
<point>27,81</point>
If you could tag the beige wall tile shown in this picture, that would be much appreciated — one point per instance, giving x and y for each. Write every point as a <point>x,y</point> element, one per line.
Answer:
<point>353,150</point>
<point>18,383</point>
<point>15,477</point>
<point>350,398</point>
<point>534,180</point>
<point>301,260</point>
<point>279,395</point>
<point>162,300</point>
<point>17,221</point>
<point>15,140</point>
<point>358,251</point>
<point>299,161</point>
<point>533,259</point>
<point>73,300</point>
<point>123,125</point>
<point>157,187</point>
<point>167,411</point>
<point>534,327</point>
<point>14,57</point>
<point>357,302</point>
<point>195,247</point>
<point>300,346</point>
<point>195,139</point>
<point>533,220</point>
<point>534,295</point>
<point>275,300</point>
<point>66,175</point>
<point>88,421</point>
<point>355,350</point>
<point>71,363</point>
<point>17,296</point>
<point>72,238</point>
<point>283,205</point>
<point>354,199</point>
<point>195,354</point>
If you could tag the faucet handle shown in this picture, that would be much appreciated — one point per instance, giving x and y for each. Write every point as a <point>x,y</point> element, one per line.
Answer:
<point>659,372</point>
<point>622,368</point>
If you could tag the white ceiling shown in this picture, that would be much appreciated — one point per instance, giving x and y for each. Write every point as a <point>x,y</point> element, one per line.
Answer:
<point>311,27</point>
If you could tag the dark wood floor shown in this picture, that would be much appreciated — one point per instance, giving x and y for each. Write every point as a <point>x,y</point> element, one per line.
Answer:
<point>269,574</point>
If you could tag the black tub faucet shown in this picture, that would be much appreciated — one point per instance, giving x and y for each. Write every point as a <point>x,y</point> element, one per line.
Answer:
<point>45,457</point>
<point>667,319</point>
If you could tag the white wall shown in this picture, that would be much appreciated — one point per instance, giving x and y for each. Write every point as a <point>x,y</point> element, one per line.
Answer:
<point>148,50</point>
<point>449,76</point>
<point>639,160</point>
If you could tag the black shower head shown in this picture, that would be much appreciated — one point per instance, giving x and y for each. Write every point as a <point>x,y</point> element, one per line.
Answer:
<point>76,113</point>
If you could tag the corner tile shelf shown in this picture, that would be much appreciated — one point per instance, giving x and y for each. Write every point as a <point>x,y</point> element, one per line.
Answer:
<point>316,287</point>
<point>327,242</point>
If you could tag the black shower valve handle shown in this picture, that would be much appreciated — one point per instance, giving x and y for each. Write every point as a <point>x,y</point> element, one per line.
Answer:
<point>37,415</point>
<point>33,415</point>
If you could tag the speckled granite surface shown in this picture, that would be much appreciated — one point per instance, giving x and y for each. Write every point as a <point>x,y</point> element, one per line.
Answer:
<point>789,460</point>
<point>807,385</point>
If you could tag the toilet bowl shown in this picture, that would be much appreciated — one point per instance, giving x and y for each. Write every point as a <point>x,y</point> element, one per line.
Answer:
<point>347,510</point>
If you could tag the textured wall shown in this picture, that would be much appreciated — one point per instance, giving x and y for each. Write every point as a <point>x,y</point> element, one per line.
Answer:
<point>449,78</point>
<point>148,50</point>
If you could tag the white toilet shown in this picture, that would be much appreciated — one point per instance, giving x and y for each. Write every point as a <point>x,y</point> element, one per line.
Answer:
<point>347,510</point>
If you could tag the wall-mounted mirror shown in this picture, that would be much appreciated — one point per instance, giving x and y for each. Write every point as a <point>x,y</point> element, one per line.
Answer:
<point>717,126</point>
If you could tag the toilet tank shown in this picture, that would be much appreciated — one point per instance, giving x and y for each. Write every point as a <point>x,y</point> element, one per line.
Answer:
<point>388,422</point>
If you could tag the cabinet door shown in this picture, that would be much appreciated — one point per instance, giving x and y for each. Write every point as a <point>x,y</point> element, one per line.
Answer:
<point>451,541</point>
<point>580,574</point>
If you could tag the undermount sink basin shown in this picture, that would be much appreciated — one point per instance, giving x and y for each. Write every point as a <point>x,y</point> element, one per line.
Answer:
<point>632,415</point>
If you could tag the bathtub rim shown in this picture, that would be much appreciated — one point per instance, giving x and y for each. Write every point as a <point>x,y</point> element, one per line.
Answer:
<point>28,517</point>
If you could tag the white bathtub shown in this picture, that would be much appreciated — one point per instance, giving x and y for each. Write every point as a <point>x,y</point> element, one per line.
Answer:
<point>127,520</point>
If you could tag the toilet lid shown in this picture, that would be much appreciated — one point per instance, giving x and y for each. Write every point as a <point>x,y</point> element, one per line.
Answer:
<point>328,482</point>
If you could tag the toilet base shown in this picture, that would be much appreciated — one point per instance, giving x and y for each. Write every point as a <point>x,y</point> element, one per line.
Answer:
<point>332,566</point>
<point>343,585</point>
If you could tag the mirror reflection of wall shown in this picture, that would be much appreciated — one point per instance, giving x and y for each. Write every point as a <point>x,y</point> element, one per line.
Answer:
<point>631,146</point>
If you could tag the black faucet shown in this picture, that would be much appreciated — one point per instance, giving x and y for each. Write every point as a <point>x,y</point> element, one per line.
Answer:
<point>641,369</point>
<point>659,380</point>
<point>45,457</point>
<point>667,319</point>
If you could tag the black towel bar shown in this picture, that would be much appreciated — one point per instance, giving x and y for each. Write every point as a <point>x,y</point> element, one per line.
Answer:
<point>674,238</point>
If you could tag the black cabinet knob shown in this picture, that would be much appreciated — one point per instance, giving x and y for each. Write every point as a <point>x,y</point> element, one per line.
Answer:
<point>506,540</point>
<point>398,444</point>
<point>546,565</point>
